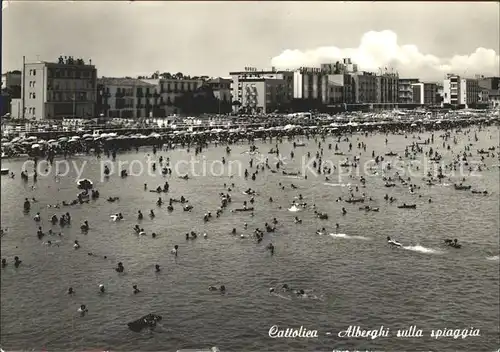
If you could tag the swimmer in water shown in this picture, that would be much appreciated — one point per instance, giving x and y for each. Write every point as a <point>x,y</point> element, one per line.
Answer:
<point>83,310</point>
<point>157,268</point>
<point>120,268</point>
<point>70,291</point>
<point>212,288</point>
<point>136,290</point>
<point>76,245</point>
<point>174,251</point>
<point>101,288</point>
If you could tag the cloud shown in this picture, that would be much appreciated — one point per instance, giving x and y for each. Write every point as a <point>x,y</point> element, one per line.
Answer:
<point>381,49</point>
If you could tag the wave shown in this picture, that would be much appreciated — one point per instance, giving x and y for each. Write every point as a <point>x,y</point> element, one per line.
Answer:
<point>494,257</point>
<point>422,249</point>
<point>343,235</point>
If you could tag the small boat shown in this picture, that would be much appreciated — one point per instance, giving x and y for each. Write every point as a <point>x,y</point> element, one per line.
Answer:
<point>462,187</point>
<point>368,208</point>
<point>300,144</point>
<point>355,200</point>
<point>479,192</point>
<point>390,185</point>
<point>244,209</point>
<point>391,154</point>
<point>4,171</point>
<point>179,200</point>
<point>147,321</point>
<point>338,153</point>
<point>290,173</point>
<point>407,206</point>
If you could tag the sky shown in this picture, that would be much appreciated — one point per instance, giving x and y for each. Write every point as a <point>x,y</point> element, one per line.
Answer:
<point>423,40</point>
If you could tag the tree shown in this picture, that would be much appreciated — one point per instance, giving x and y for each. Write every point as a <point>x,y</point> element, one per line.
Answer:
<point>179,75</point>
<point>166,75</point>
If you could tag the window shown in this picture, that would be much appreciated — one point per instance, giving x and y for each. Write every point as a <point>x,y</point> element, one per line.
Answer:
<point>31,95</point>
<point>33,111</point>
<point>30,110</point>
<point>34,96</point>
<point>34,72</point>
<point>31,72</point>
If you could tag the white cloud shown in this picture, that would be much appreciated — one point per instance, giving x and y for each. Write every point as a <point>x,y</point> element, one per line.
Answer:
<point>381,49</point>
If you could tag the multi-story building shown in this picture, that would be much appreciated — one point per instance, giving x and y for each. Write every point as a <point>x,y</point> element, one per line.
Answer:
<point>494,98</point>
<point>173,88</point>
<point>365,87</point>
<point>310,83</point>
<point>461,92</point>
<point>491,87</point>
<point>489,83</point>
<point>56,90</point>
<point>240,77</point>
<point>127,98</point>
<point>221,88</point>
<point>12,81</point>
<point>340,88</point>
<point>9,90</point>
<point>424,93</point>
<point>387,88</point>
<point>262,95</point>
<point>405,95</point>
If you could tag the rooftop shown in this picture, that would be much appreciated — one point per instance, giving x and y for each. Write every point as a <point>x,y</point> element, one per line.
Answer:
<point>123,82</point>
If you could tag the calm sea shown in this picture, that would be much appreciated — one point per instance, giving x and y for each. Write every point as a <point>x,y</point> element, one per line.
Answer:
<point>354,280</point>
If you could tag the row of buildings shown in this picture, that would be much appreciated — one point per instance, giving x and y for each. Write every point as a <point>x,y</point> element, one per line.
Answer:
<point>70,88</point>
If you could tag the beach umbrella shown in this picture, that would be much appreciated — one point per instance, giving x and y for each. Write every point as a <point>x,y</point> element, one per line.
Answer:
<point>17,139</point>
<point>86,135</point>
<point>32,138</point>
<point>75,137</point>
<point>51,141</point>
<point>63,139</point>
<point>6,144</point>
<point>4,140</point>
<point>89,138</point>
<point>35,146</point>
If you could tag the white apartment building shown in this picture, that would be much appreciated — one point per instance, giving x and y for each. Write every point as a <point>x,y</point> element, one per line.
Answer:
<point>58,90</point>
<point>262,95</point>
<point>239,77</point>
<point>460,91</point>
